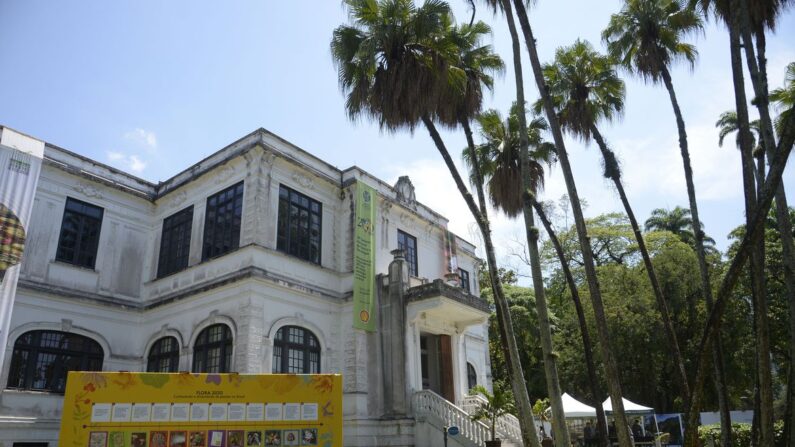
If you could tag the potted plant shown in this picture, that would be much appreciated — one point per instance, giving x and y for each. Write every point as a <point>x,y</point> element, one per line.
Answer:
<point>498,404</point>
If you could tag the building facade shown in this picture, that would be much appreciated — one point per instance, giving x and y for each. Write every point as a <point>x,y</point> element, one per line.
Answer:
<point>241,263</point>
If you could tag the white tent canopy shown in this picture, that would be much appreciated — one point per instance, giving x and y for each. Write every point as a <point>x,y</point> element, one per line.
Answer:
<point>573,408</point>
<point>629,407</point>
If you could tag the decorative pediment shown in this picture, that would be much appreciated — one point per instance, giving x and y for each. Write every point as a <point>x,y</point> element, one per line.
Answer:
<point>87,190</point>
<point>303,180</point>
<point>404,191</point>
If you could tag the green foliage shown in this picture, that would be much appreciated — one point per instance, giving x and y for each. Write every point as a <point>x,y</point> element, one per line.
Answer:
<point>640,345</point>
<point>398,63</point>
<point>740,312</point>
<point>542,409</point>
<point>525,322</point>
<point>585,88</point>
<point>646,37</point>
<point>741,434</point>
<point>498,403</point>
<point>498,156</point>
<point>784,99</point>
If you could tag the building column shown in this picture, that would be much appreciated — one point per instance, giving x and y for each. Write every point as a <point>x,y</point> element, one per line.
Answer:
<point>250,332</point>
<point>392,312</point>
<point>258,220</point>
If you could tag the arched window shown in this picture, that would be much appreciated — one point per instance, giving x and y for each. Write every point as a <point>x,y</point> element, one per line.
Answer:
<point>212,352</point>
<point>163,356</point>
<point>42,359</point>
<point>296,350</point>
<point>472,376</point>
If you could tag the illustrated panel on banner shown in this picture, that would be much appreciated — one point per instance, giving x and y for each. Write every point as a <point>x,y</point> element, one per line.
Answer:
<point>120,409</point>
<point>364,259</point>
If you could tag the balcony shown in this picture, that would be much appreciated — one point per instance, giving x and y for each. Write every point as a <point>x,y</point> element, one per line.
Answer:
<point>443,302</point>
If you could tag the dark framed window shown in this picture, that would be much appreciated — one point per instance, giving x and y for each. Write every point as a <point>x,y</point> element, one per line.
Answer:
<point>464,276</point>
<point>79,233</point>
<point>300,223</point>
<point>212,352</point>
<point>472,376</point>
<point>42,359</point>
<point>222,221</point>
<point>296,350</point>
<point>408,244</point>
<point>175,242</point>
<point>163,356</point>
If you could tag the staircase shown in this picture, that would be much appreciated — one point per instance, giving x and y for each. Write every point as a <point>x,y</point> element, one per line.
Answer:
<point>432,408</point>
<point>508,427</point>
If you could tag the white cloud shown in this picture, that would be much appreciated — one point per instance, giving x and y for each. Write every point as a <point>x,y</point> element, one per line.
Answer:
<point>114,156</point>
<point>126,162</point>
<point>143,137</point>
<point>136,165</point>
<point>654,167</point>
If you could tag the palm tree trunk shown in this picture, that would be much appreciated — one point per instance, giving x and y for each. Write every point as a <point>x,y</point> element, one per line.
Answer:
<point>590,366</point>
<point>739,28</point>
<point>554,392</point>
<point>613,172</point>
<point>484,213</point>
<point>719,376</point>
<point>757,66</point>
<point>611,367</point>
<point>529,436</point>
<point>476,167</point>
<point>753,233</point>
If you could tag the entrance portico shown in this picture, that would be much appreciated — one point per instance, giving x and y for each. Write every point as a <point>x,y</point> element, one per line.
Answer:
<point>438,315</point>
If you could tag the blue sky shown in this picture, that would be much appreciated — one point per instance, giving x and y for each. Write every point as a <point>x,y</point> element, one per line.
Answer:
<point>154,86</point>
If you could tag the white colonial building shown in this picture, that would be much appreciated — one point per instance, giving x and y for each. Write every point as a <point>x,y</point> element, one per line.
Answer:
<point>242,262</point>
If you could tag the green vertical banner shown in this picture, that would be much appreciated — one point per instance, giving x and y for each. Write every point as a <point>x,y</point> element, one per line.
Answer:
<point>364,259</point>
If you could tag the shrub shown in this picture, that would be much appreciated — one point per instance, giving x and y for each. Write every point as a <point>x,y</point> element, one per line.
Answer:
<point>741,434</point>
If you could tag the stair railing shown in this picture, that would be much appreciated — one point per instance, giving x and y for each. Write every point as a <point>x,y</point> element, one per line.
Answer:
<point>507,425</point>
<point>429,404</point>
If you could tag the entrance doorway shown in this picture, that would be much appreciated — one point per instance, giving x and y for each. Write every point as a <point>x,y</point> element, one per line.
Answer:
<point>436,355</point>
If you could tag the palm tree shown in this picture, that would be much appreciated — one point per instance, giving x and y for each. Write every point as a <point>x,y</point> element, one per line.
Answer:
<point>678,222</point>
<point>498,404</point>
<point>525,170</point>
<point>784,97</point>
<point>728,123</point>
<point>499,159</point>
<point>754,232</point>
<point>647,37</point>
<point>586,89</point>
<point>399,65</point>
<point>608,358</point>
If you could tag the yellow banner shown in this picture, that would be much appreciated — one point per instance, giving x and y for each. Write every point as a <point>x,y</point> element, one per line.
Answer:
<point>364,259</point>
<point>121,409</point>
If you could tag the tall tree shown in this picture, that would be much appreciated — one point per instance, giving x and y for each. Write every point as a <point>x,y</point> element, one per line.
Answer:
<point>678,222</point>
<point>590,365</point>
<point>647,37</point>
<point>608,358</point>
<point>525,176</point>
<point>784,97</point>
<point>729,123</point>
<point>501,152</point>
<point>399,65</point>
<point>748,19</point>
<point>754,232</point>
<point>586,89</point>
